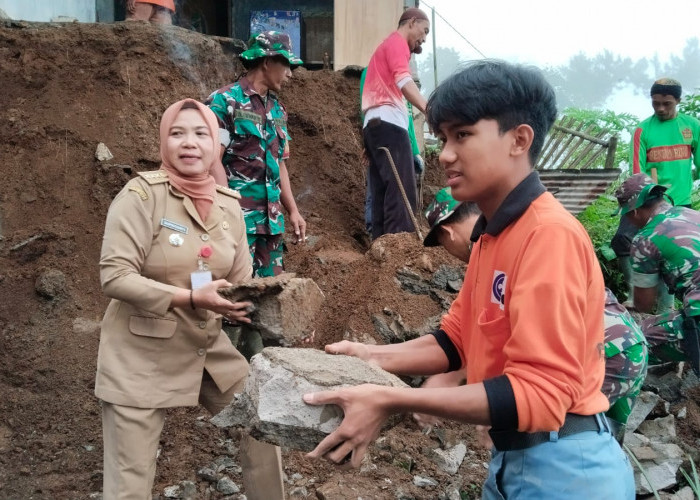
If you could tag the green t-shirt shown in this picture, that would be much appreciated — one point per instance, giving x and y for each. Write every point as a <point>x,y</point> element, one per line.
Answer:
<point>668,146</point>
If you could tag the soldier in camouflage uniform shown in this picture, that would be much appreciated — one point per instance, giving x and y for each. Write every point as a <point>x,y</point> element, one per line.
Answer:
<point>626,357</point>
<point>255,136</point>
<point>451,224</point>
<point>667,247</point>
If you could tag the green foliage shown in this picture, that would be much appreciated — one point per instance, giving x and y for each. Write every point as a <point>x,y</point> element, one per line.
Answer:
<point>471,492</point>
<point>448,61</point>
<point>690,105</point>
<point>694,481</point>
<point>406,463</point>
<point>695,199</point>
<point>642,470</point>
<point>619,124</point>
<point>601,228</point>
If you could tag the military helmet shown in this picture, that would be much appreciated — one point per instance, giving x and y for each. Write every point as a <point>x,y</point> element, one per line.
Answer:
<point>635,191</point>
<point>438,212</point>
<point>270,43</point>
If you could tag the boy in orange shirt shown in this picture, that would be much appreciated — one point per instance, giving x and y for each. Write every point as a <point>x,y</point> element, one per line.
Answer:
<point>527,327</point>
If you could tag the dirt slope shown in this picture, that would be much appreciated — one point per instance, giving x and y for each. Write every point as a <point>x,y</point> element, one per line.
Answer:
<point>67,88</point>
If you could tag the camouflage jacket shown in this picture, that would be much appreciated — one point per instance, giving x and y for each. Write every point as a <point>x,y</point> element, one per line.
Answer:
<point>668,247</point>
<point>621,330</point>
<point>254,133</point>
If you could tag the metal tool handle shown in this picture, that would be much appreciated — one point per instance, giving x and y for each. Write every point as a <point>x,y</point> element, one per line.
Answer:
<point>403,193</point>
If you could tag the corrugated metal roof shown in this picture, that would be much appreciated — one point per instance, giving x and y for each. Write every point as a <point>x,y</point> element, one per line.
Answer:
<point>576,189</point>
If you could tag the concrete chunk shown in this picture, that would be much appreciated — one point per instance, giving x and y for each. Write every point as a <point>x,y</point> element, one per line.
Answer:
<point>271,405</point>
<point>285,306</point>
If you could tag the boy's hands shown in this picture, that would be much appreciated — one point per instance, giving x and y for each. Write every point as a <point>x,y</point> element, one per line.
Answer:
<point>348,348</point>
<point>364,417</point>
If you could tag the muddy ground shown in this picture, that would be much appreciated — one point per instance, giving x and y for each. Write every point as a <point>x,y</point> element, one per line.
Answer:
<point>68,87</point>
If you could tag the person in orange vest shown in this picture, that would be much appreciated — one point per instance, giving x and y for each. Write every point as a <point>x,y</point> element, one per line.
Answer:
<point>155,11</point>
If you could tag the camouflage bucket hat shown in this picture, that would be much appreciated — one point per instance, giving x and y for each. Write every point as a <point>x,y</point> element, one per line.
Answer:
<point>635,191</point>
<point>270,43</point>
<point>437,212</point>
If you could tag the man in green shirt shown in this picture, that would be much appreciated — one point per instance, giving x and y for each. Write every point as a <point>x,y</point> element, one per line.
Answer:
<point>666,145</point>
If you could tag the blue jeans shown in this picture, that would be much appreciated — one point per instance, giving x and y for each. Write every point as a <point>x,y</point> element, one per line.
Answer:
<point>585,466</point>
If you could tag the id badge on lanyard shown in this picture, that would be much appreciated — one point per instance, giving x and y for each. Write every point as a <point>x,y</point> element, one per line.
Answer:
<point>202,275</point>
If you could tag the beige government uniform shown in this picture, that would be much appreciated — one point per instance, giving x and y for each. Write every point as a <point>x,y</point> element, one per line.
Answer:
<point>152,357</point>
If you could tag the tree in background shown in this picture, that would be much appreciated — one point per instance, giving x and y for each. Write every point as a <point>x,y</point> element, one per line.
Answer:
<point>588,82</point>
<point>448,61</point>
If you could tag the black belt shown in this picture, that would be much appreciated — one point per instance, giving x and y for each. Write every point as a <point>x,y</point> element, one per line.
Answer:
<point>573,424</point>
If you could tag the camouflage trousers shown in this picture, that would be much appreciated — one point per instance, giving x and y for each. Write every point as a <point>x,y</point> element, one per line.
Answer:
<point>246,339</point>
<point>624,375</point>
<point>266,251</point>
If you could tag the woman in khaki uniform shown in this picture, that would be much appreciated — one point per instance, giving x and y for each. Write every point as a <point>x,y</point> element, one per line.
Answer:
<point>172,238</point>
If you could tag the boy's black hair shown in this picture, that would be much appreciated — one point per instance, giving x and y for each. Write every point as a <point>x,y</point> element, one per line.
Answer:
<point>511,94</point>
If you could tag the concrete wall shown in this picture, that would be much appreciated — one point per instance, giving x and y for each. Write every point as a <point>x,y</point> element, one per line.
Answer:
<point>45,10</point>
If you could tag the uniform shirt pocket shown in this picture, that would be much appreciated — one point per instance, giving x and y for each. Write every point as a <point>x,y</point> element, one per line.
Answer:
<point>248,123</point>
<point>145,326</point>
<point>495,330</point>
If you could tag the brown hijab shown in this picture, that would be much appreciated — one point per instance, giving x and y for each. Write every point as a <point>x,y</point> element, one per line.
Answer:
<point>200,188</point>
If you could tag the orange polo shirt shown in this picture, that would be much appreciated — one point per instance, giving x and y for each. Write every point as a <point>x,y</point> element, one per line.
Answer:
<point>531,309</point>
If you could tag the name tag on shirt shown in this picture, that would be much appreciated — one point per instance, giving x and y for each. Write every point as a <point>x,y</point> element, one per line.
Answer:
<point>174,226</point>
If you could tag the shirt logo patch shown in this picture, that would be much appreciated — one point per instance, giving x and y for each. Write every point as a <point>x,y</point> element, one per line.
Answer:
<point>498,288</point>
<point>687,133</point>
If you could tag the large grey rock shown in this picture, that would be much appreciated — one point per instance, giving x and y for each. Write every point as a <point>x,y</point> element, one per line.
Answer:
<point>660,430</point>
<point>285,306</point>
<point>642,407</point>
<point>271,405</point>
<point>660,462</point>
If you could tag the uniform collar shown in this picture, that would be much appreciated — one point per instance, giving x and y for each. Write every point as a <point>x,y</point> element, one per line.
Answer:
<point>215,214</point>
<point>513,206</point>
<point>248,90</point>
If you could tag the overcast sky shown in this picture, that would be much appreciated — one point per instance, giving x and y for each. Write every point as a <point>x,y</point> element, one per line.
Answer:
<point>549,32</point>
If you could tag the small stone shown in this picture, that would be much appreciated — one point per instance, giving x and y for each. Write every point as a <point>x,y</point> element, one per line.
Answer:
<point>424,482</point>
<point>172,491</point>
<point>102,153</point>
<point>299,491</point>
<point>208,474</point>
<point>51,284</point>
<point>226,486</point>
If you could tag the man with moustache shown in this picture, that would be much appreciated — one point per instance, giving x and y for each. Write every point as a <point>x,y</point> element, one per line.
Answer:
<point>387,83</point>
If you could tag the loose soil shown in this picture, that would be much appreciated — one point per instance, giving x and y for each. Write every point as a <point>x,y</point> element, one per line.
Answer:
<point>68,87</point>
